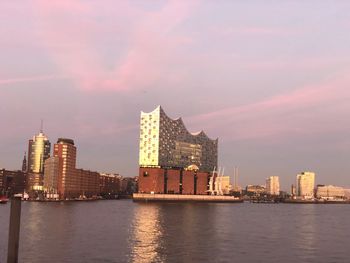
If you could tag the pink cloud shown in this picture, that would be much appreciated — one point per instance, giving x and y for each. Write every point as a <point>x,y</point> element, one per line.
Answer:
<point>257,31</point>
<point>29,79</point>
<point>308,63</point>
<point>283,115</point>
<point>70,35</point>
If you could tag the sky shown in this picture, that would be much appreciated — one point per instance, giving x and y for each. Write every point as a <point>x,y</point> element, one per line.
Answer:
<point>270,79</point>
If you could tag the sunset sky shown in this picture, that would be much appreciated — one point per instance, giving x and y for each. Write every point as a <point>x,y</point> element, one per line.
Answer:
<point>270,79</point>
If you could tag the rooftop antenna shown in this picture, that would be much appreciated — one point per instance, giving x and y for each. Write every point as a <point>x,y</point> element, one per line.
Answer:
<point>42,126</point>
<point>236,176</point>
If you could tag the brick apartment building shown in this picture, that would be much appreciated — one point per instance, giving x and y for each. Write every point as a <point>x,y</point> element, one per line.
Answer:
<point>12,182</point>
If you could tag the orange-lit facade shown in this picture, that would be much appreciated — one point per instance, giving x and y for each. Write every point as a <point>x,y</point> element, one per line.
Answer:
<point>109,184</point>
<point>65,150</point>
<point>172,181</point>
<point>73,182</point>
<point>86,183</point>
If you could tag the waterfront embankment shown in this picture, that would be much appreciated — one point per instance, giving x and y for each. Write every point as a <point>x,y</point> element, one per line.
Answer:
<point>185,198</point>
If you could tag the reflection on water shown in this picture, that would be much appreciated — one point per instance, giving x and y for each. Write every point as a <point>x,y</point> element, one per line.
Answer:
<point>33,223</point>
<point>306,231</point>
<point>119,231</point>
<point>147,234</point>
<point>46,227</point>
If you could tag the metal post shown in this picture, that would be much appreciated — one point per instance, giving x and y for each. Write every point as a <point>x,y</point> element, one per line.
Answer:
<point>15,222</point>
<point>165,190</point>
<point>195,182</point>
<point>181,181</point>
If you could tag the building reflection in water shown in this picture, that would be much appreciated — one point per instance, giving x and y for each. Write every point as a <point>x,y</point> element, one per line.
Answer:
<point>33,222</point>
<point>46,231</point>
<point>147,234</point>
<point>306,231</point>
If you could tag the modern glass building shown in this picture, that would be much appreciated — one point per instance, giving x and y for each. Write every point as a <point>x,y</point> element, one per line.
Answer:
<point>38,151</point>
<point>166,143</point>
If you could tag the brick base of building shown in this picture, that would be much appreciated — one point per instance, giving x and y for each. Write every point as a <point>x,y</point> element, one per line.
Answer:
<point>172,181</point>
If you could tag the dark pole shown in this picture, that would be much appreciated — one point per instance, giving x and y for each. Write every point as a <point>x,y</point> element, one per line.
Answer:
<point>181,179</point>
<point>165,181</point>
<point>15,222</point>
<point>195,182</point>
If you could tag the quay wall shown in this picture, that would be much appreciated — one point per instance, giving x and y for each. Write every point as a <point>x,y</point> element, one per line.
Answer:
<point>185,198</point>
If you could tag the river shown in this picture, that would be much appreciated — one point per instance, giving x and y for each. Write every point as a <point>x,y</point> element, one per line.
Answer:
<point>123,231</point>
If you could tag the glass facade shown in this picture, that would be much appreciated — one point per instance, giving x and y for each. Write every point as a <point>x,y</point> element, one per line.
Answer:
<point>165,142</point>
<point>38,152</point>
<point>185,153</point>
<point>149,138</point>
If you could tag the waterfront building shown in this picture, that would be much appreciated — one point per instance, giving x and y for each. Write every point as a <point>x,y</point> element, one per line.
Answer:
<point>226,184</point>
<point>165,142</point>
<point>347,194</point>
<point>12,182</point>
<point>219,184</point>
<point>83,183</point>
<point>306,185</point>
<point>255,190</point>
<point>71,182</point>
<point>172,181</point>
<point>173,160</point>
<point>330,192</point>
<point>38,151</point>
<point>51,174</point>
<point>35,183</point>
<point>109,184</point>
<point>273,185</point>
<point>65,150</point>
<point>128,185</point>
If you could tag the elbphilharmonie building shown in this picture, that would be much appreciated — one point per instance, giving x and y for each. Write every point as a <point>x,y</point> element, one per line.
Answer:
<point>166,143</point>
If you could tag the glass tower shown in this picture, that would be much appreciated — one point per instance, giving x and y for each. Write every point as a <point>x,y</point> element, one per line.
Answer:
<point>38,152</point>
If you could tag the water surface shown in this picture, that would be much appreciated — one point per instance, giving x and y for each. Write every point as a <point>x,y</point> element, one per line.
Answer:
<point>123,231</point>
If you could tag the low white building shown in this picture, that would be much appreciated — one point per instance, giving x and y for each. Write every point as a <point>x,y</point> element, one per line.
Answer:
<point>329,192</point>
<point>347,193</point>
<point>222,185</point>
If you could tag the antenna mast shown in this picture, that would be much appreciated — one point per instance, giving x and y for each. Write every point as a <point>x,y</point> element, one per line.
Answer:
<point>42,126</point>
<point>234,177</point>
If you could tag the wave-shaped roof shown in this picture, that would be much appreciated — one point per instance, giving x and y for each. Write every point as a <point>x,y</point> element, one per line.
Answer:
<point>180,121</point>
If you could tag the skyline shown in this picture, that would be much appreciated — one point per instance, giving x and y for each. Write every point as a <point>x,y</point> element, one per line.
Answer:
<point>271,81</point>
